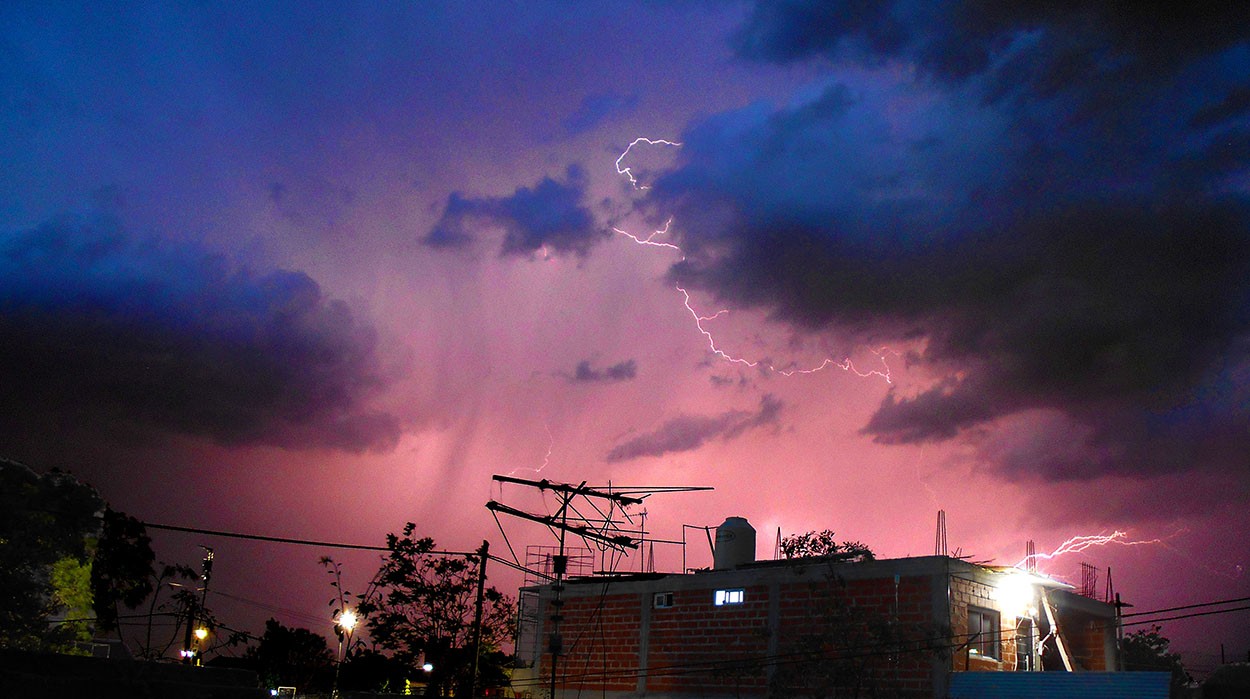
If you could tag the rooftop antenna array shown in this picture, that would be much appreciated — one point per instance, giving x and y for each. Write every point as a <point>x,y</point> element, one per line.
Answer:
<point>589,513</point>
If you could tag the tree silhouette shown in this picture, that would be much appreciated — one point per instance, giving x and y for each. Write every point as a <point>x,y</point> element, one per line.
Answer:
<point>421,609</point>
<point>46,525</point>
<point>292,657</point>
<point>1149,650</point>
<point>122,571</point>
<point>823,543</point>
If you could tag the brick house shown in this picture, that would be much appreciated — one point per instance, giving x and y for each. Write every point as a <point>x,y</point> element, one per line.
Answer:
<point>805,627</point>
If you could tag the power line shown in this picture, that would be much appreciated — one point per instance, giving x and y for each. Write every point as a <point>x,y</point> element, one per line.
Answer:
<point>1189,606</point>
<point>1187,616</point>
<point>274,539</point>
<point>322,544</point>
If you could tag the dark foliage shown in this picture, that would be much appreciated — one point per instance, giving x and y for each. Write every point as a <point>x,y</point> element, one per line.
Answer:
<point>822,543</point>
<point>1149,650</point>
<point>44,520</point>
<point>421,609</point>
<point>292,657</point>
<point>122,572</point>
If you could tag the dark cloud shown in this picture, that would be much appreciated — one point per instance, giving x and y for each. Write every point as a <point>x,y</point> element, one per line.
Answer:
<point>689,432</point>
<point>107,333</point>
<point>550,215</point>
<point>595,109</point>
<point>1056,209</point>
<point>621,371</point>
<point>1042,45</point>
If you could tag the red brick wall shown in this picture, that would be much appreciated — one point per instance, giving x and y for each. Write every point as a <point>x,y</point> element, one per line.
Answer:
<point>601,642</point>
<point>875,633</point>
<point>696,645</point>
<point>1086,638</point>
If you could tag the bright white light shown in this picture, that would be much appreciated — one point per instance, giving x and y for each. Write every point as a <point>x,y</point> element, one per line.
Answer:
<point>1015,593</point>
<point>347,620</point>
<point>428,667</point>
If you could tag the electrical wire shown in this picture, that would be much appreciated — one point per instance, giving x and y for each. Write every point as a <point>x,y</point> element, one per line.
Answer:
<point>1187,606</point>
<point>1187,616</point>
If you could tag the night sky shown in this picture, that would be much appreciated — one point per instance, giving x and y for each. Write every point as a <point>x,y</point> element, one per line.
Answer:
<point>314,270</point>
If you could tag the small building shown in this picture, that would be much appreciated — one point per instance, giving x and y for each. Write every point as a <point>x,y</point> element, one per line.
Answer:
<point>805,627</point>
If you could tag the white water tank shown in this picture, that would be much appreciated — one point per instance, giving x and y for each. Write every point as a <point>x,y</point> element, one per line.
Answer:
<point>735,544</point>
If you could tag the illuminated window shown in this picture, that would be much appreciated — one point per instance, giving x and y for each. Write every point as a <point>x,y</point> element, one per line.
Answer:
<point>724,597</point>
<point>663,600</point>
<point>983,632</point>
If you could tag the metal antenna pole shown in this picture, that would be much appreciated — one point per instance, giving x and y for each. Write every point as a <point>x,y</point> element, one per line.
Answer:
<point>483,555</point>
<point>601,528</point>
<point>559,565</point>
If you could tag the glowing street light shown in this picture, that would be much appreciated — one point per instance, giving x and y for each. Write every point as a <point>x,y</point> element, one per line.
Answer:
<point>346,622</point>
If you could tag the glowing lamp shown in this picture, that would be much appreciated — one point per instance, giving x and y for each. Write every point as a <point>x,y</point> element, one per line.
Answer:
<point>201,633</point>
<point>428,667</point>
<point>1015,593</point>
<point>347,620</point>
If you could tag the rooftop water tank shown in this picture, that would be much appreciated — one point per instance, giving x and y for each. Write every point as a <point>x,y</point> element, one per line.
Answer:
<point>735,544</point>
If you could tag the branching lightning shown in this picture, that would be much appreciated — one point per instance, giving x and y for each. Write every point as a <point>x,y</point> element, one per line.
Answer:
<point>846,364</point>
<point>551,443</point>
<point>629,173</point>
<point>1078,544</point>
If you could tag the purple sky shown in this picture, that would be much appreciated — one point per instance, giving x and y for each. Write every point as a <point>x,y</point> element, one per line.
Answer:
<point>316,271</point>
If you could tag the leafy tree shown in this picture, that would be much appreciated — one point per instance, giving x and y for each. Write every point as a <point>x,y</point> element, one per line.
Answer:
<point>822,543</point>
<point>367,670</point>
<point>421,607</point>
<point>292,657</point>
<point>1149,650</point>
<point>122,572</point>
<point>46,523</point>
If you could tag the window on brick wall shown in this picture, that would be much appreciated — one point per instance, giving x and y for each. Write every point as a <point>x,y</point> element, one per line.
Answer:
<point>662,600</point>
<point>983,632</point>
<point>724,597</point>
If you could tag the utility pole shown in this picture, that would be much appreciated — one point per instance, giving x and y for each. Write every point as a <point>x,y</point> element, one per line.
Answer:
<point>482,555</point>
<point>190,649</point>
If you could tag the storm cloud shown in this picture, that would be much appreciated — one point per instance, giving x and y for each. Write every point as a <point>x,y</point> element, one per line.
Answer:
<point>689,432</point>
<point>1081,247</point>
<point>549,215</point>
<point>621,371</point>
<point>103,331</point>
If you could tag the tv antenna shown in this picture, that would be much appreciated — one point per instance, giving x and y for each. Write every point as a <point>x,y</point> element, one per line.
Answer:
<point>582,512</point>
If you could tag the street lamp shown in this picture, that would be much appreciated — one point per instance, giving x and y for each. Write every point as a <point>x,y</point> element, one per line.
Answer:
<point>346,622</point>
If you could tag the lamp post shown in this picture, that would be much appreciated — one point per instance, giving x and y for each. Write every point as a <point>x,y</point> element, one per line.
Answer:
<point>200,634</point>
<point>346,622</point>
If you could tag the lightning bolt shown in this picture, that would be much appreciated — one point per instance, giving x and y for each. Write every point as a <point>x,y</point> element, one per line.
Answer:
<point>845,364</point>
<point>1080,543</point>
<point>551,443</point>
<point>629,173</point>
